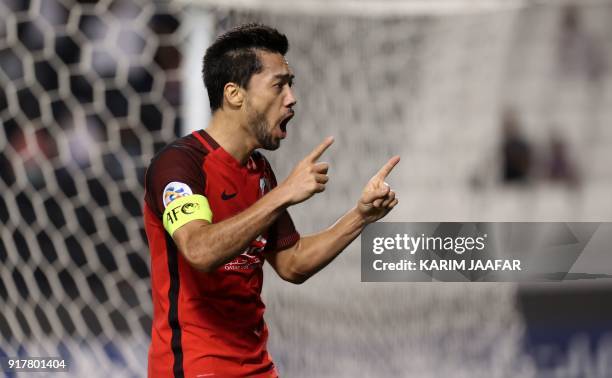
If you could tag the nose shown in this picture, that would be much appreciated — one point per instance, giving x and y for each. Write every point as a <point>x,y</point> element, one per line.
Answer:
<point>290,99</point>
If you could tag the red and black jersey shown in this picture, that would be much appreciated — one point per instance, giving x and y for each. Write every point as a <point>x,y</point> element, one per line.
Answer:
<point>208,324</point>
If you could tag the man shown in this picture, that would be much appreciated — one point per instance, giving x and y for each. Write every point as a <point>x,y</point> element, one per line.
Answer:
<point>213,212</point>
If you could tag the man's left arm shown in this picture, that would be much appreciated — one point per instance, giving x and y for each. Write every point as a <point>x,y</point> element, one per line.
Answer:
<point>313,252</point>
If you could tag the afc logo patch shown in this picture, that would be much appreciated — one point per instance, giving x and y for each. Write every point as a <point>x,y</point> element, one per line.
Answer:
<point>175,190</point>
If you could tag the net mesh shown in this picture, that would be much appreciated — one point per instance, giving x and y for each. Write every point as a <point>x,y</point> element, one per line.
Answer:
<point>91,90</point>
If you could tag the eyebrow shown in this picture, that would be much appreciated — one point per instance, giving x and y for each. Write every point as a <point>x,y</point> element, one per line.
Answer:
<point>285,77</point>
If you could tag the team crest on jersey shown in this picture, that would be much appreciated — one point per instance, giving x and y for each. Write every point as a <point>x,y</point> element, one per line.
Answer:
<point>264,185</point>
<point>175,190</point>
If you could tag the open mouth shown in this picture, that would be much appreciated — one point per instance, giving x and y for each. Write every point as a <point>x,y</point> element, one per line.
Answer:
<point>283,123</point>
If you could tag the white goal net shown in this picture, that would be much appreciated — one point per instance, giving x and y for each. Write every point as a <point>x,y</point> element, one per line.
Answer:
<point>88,92</point>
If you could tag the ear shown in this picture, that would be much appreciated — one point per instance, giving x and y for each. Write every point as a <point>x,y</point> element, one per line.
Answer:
<point>233,94</point>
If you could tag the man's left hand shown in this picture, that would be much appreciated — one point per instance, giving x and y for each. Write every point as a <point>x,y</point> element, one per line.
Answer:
<point>377,198</point>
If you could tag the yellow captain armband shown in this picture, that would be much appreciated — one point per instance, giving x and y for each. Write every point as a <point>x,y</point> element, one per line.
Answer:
<point>185,209</point>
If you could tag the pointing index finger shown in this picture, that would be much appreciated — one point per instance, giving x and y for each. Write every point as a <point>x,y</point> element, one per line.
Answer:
<point>386,169</point>
<point>320,149</point>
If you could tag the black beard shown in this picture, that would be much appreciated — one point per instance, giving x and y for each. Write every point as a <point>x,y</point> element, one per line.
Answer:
<point>262,133</point>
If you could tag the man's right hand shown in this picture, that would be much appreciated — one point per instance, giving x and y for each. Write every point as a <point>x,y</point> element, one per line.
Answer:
<point>307,178</point>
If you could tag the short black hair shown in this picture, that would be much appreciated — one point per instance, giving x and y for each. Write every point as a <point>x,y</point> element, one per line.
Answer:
<point>233,58</point>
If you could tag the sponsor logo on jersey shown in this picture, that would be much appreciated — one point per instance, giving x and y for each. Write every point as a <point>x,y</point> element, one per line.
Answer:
<point>175,190</point>
<point>226,196</point>
<point>250,258</point>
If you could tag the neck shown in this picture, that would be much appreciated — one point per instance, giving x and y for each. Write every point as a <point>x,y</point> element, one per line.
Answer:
<point>232,135</point>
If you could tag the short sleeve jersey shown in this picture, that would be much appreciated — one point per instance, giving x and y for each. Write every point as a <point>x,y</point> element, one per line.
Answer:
<point>208,324</point>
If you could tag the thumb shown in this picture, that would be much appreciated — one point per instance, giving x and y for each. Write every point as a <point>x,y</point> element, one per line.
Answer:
<point>385,189</point>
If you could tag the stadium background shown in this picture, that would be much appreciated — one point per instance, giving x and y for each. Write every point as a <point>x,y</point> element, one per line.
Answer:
<point>90,90</point>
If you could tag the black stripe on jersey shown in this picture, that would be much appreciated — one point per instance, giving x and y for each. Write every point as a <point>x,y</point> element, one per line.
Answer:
<point>213,143</point>
<point>173,320</point>
<point>185,151</point>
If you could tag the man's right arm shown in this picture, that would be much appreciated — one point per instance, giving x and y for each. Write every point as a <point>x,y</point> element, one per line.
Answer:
<point>207,246</point>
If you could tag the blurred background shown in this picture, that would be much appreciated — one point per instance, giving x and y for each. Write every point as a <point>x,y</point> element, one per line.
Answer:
<point>500,110</point>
